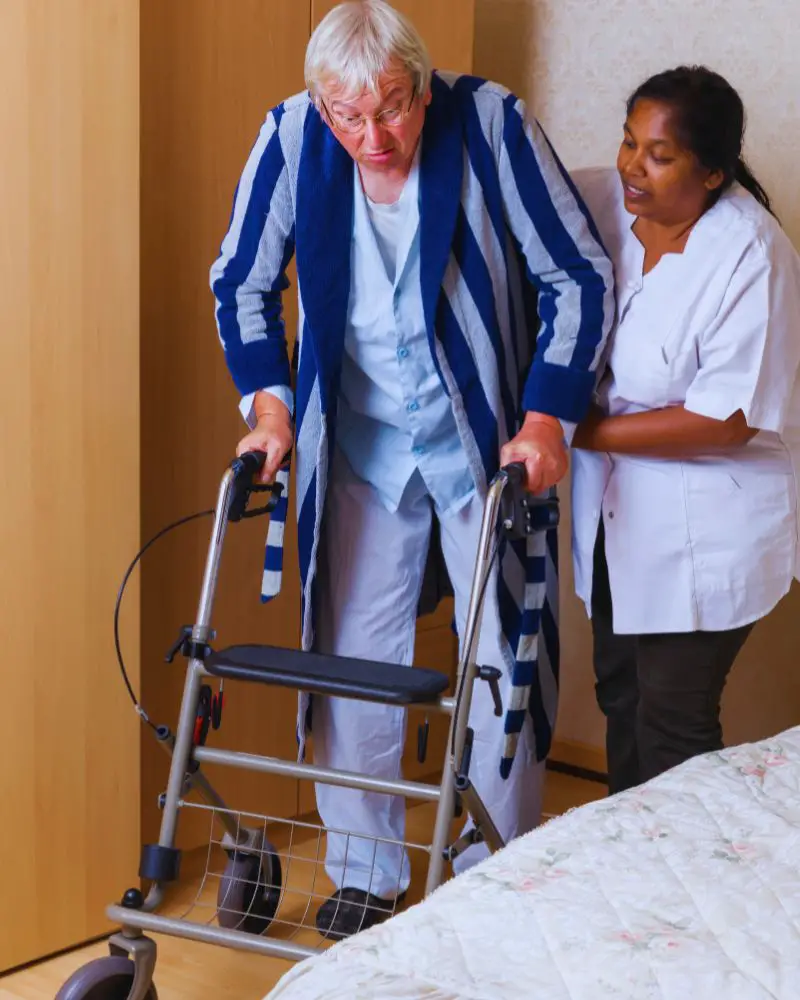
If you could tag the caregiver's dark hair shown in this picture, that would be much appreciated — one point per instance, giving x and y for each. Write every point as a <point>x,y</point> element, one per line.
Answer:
<point>710,122</point>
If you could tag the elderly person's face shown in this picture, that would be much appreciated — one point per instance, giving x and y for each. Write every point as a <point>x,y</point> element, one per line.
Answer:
<point>380,131</point>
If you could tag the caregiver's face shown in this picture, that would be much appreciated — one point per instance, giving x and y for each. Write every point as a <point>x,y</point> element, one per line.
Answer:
<point>379,130</point>
<point>662,180</point>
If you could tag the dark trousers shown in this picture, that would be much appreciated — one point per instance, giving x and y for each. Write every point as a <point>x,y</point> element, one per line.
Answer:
<point>660,692</point>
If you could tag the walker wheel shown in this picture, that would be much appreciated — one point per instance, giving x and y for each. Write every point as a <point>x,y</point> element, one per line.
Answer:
<point>108,978</point>
<point>250,891</point>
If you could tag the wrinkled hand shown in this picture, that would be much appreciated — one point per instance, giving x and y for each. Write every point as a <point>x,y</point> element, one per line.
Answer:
<point>540,446</point>
<point>272,435</point>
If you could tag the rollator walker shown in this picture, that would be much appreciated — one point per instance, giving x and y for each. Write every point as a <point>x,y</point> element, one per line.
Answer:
<point>251,875</point>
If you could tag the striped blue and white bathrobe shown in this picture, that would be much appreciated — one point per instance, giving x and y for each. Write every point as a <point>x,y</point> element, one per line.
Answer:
<point>507,249</point>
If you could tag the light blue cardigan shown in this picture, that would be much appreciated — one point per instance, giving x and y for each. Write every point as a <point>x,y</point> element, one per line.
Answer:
<point>518,298</point>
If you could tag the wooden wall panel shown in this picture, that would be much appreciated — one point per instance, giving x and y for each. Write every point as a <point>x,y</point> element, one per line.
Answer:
<point>69,513</point>
<point>210,72</point>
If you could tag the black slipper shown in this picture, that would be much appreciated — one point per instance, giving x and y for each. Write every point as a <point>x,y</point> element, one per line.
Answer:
<point>349,911</point>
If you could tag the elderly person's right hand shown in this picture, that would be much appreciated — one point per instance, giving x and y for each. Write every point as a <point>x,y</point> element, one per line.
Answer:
<point>272,435</point>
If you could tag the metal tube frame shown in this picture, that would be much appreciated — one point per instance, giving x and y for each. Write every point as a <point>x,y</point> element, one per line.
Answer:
<point>465,680</point>
<point>208,933</point>
<point>196,779</point>
<point>309,772</point>
<point>181,776</point>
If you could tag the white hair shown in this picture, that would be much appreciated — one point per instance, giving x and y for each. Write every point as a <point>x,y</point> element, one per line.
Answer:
<point>357,42</point>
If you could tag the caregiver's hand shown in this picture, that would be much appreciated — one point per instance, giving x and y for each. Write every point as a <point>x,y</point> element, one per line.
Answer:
<point>272,435</point>
<point>585,436</point>
<point>540,446</point>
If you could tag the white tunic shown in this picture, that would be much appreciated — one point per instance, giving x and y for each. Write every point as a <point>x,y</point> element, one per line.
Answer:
<point>705,543</point>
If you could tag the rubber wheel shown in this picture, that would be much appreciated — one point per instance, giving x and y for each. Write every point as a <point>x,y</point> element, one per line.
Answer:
<point>250,891</point>
<point>103,979</point>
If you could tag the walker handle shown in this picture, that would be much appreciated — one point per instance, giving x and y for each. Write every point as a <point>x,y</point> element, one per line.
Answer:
<point>523,513</point>
<point>245,468</point>
<point>249,463</point>
<point>516,474</point>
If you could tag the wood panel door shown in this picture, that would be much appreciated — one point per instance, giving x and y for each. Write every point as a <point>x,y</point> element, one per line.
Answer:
<point>211,70</point>
<point>69,427</point>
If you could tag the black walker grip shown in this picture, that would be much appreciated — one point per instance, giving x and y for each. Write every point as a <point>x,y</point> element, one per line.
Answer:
<point>522,512</point>
<point>245,469</point>
<point>517,474</point>
<point>249,463</point>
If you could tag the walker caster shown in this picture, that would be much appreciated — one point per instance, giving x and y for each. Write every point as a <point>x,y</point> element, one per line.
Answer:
<point>250,889</point>
<point>108,978</point>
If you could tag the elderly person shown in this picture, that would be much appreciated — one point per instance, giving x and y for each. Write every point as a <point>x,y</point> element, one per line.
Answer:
<point>429,217</point>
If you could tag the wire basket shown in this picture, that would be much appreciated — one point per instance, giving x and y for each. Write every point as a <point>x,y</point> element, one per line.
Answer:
<point>271,877</point>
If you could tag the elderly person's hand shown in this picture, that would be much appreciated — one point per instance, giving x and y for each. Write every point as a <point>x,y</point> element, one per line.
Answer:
<point>272,434</point>
<point>540,446</point>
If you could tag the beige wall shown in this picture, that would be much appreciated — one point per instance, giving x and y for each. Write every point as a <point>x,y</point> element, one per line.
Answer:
<point>575,61</point>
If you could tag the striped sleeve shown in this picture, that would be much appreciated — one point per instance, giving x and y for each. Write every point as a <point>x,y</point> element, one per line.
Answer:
<point>249,275</point>
<point>565,261</point>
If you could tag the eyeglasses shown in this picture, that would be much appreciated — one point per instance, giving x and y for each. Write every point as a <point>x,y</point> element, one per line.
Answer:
<point>353,124</point>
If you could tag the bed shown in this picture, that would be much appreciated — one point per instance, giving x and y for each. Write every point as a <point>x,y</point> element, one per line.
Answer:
<point>687,888</point>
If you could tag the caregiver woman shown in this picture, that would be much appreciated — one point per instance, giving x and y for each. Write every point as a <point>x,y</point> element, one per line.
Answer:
<point>685,516</point>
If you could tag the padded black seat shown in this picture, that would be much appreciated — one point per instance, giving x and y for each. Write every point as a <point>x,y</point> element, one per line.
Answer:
<point>336,675</point>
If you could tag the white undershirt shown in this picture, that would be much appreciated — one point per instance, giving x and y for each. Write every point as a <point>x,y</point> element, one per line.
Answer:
<point>388,224</point>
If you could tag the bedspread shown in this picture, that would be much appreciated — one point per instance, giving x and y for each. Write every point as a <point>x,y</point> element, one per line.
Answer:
<point>687,888</point>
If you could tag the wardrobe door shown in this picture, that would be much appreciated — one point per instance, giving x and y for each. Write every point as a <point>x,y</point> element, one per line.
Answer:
<point>211,70</point>
<point>69,441</point>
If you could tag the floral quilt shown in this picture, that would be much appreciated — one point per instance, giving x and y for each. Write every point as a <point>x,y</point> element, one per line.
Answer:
<point>687,888</point>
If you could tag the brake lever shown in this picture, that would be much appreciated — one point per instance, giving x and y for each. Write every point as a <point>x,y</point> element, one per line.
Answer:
<point>245,468</point>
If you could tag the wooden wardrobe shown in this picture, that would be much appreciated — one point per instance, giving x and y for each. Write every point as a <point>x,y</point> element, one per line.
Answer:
<point>125,126</point>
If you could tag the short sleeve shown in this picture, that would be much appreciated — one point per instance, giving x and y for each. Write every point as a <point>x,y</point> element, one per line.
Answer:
<point>750,353</point>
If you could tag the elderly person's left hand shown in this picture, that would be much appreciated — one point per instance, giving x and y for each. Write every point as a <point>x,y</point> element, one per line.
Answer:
<point>540,446</point>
